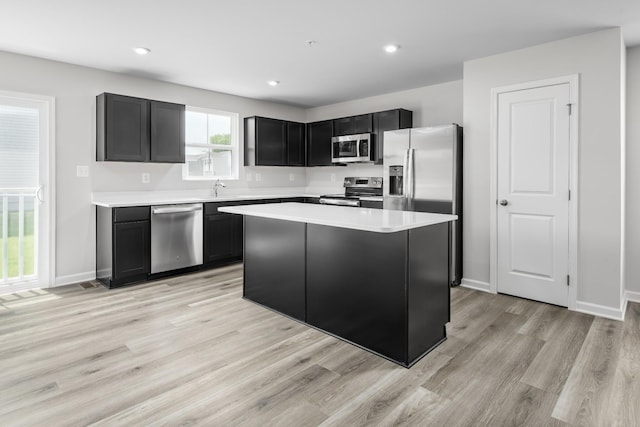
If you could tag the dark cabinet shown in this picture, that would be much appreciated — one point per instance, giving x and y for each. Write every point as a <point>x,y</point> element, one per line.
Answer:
<point>123,245</point>
<point>319,136</point>
<point>353,125</point>
<point>122,124</point>
<point>389,120</point>
<point>296,146</point>
<point>167,132</point>
<point>222,233</point>
<point>130,249</point>
<point>130,129</point>
<point>273,142</point>
<point>363,123</point>
<point>219,237</point>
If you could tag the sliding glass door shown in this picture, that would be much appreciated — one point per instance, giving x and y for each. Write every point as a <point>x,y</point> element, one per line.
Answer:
<point>26,140</point>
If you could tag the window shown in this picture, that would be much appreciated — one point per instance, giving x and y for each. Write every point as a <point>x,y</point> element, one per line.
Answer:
<point>211,150</point>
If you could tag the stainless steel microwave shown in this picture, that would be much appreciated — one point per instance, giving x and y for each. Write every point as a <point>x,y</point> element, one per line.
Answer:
<point>352,148</point>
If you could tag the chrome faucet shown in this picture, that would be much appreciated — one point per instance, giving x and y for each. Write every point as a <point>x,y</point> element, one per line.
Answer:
<point>217,185</point>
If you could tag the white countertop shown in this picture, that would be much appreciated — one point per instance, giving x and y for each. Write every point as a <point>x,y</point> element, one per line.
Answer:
<point>376,220</point>
<point>119,200</point>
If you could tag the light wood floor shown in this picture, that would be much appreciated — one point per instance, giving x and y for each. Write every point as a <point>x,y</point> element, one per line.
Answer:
<point>190,351</point>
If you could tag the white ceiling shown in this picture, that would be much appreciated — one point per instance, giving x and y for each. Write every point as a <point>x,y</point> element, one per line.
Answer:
<point>236,46</point>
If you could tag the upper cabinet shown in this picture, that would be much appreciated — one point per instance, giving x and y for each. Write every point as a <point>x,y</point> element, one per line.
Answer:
<point>389,120</point>
<point>296,144</point>
<point>319,143</point>
<point>353,125</point>
<point>130,129</point>
<point>167,132</point>
<point>273,142</point>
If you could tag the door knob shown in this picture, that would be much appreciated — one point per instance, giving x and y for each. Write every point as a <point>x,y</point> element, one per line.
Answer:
<point>504,202</point>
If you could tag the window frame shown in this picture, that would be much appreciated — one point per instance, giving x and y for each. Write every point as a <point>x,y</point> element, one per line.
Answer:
<point>234,147</point>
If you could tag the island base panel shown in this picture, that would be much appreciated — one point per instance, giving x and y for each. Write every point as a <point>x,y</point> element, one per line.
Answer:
<point>356,287</point>
<point>428,290</point>
<point>274,264</point>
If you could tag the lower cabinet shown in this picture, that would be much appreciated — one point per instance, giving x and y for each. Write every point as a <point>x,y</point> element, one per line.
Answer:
<point>131,245</point>
<point>219,237</point>
<point>223,233</point>
<point>123,240</point>
<point>123,245</point>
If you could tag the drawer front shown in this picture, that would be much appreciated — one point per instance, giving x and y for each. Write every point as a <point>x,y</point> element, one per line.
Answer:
<point>136,213</point>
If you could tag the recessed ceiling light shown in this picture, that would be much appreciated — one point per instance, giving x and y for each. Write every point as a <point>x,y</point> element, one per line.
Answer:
<point>141,50</point>
<point>391,48</point>
<point>273,82</point>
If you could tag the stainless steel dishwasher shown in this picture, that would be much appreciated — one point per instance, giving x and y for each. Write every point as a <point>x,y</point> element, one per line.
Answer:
<point>176,236</point>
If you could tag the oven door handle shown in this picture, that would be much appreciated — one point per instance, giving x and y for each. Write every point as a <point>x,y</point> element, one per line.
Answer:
<point>337,202</point>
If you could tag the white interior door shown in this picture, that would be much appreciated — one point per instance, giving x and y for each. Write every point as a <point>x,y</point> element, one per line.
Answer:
<point>25,191</point>
<point>533,193</point>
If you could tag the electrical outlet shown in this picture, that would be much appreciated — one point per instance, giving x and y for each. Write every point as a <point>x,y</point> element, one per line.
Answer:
<point>333,177</point>
<point>82,171</point>
<point>146,178</point>
<point>258,177</point>
<point>292,177</point>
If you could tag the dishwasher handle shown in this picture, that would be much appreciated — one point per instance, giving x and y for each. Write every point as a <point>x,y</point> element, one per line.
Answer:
<point>176,209</point>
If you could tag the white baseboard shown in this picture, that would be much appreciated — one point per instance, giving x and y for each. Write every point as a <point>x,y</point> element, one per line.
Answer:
<point>75,278</point>
<point>475,284</point>
<point>633,296</point>
<point>602,310</point>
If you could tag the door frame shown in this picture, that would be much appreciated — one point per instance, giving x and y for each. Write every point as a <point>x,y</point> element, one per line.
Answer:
<point>46,279</point>
<point>573,81</point>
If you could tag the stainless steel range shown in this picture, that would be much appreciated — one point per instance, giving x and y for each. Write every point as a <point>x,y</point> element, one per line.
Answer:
<point>356,189</point>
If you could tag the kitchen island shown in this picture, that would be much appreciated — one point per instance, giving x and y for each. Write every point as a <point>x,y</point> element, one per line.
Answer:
<point>376,278</point>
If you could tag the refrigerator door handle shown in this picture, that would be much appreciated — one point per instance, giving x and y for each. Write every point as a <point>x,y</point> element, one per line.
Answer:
<point>405,176</point>
<point>410,177</point>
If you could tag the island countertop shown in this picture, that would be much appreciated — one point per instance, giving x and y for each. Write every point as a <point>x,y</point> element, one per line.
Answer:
<point>376,220</point>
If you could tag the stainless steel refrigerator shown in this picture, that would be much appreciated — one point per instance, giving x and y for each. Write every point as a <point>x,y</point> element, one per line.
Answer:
<point>423,172</point>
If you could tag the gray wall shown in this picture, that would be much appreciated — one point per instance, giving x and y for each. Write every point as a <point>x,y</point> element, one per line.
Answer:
<point>598,59</point>
<point>633,173</point>
<point>75,89</point>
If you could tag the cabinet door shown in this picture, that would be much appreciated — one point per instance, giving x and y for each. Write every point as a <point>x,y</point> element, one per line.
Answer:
<point>271,142</point>
<point>125,129</point>
<point>219,237</point>
<point>363,123</point>
<point>131,249</point>
<point>295,144</point>
<point>389,120</point>
<point>238,236</point>
<point>167,132</point>
<point>343,126</point>
<point>319,143</point>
